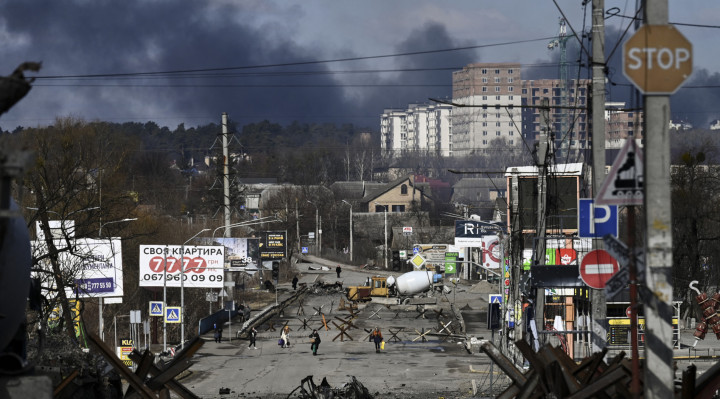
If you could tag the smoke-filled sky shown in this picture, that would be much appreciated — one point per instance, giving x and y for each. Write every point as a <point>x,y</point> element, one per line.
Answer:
<point>174,62</point>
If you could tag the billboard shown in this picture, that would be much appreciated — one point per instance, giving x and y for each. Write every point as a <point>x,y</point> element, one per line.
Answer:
<point>94,265</point>
<point>240,253</point>
<point>160,266</point>
<point>273,245</point>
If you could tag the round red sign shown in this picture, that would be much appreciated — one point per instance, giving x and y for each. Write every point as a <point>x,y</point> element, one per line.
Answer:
<point>597,267</point>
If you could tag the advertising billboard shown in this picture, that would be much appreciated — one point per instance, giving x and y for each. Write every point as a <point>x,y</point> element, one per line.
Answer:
<point>273,245</point>
<point>94,265</point>
<point>202,266</point>
<point>240,253</point>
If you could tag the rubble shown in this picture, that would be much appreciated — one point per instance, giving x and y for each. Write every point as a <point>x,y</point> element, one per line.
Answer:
<point>351,390</point>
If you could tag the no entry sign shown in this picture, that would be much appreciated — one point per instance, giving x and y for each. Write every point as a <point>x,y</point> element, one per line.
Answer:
<point>597,267</point>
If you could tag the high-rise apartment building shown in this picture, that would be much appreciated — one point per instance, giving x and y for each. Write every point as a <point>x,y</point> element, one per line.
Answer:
<point>501,109</point>
<point>420,127</point>
<point>491,117</point>
<point>568,116</point>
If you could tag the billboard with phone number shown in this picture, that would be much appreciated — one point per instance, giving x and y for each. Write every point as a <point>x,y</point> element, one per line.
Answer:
<point>202,266</point>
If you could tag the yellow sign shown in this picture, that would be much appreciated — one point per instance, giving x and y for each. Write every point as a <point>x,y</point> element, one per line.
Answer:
<point>417,260</point>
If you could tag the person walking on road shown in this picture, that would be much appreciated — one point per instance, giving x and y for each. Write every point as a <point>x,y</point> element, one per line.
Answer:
<point>218,333</point>
<point>285,337</point>
<point>294,283</point>
<point>338,269</point>
<point>377,338</point>
<point>253,335</point>
<point>314,342</point>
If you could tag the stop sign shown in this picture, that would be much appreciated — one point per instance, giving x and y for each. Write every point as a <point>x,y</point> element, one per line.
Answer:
<point>597,267</point>
<point>657,59</point>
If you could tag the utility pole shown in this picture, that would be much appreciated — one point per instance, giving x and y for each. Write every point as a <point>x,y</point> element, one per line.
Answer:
<point>226,197</point>
<point>544,153</point>
<point>597,297</point>
<point>659,373</point>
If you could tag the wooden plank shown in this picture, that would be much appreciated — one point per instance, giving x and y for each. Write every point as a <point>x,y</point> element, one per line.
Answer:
<point>503,362</point>
<point>64,384</point>
<point>688,382</point>
<point>604,381</point>
<point>120,367</point>
<point>170,372</point>
<point>172,384</point>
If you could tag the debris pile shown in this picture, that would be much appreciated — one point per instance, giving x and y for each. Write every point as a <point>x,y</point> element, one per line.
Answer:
<point>322,288</point>
<point>553,373</point>
<point>351,390</point>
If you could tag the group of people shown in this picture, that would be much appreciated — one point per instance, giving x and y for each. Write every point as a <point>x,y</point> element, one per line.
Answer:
<point>284,341</point>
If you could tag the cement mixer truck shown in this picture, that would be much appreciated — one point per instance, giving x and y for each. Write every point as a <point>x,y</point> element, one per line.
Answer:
<point>406,285</point>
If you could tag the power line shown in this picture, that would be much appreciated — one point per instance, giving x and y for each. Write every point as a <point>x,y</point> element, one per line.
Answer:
<point>297,63</point>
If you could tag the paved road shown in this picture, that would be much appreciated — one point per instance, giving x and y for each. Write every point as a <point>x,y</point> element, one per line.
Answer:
<point>410,366</point>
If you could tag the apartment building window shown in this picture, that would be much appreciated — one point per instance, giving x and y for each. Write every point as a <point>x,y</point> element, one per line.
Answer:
<point>484,98</point>
<point>484,132</point>
<point>497,115</point>
<point>497,133</point>
<point>484,89</point>
<point>497,124</point>
<point>512,142</point>
<point>497,79</point>
<point>510,124</point>
<point>510,80</point>
<point>510,71</point>
<point>510,88</point>
<point>484,80</point>
<point>497,98</point>
<point>511,97</point>
<point>484,115</point>
<point>497,72</point>
<point>483,71</point>
<point>511,133</point>
<point>403,189</point>
<point>484,124</point>
<point>484,142</point>
<point>524,91</point>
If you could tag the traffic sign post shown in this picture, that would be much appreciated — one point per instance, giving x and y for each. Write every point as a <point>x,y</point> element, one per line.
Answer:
<point>597,268</point>
<point>156,308</point>
<point>625,182</point>
<point>657,59</point>
<point>173,314</point>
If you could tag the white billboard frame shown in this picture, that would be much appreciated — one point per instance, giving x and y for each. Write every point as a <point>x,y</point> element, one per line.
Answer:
<point>203,266</point>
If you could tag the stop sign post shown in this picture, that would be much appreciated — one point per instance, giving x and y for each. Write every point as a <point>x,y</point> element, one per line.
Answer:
<point>597,267</point>
<point>657,59</point>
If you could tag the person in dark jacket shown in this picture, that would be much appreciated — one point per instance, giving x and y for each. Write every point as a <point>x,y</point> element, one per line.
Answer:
<point>252,335</point>
<point>218,333</point>
<point>338,269</point>
<point>377,338</point>
<point>294,283</point>
<point>314,342</point>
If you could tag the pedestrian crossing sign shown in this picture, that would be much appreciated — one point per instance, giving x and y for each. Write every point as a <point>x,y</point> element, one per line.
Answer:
<point>495,298</point>
<point>156,308</point>
<point>173,314</point>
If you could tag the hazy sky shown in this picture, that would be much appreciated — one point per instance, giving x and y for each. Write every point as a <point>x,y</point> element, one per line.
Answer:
<point>175,62</point>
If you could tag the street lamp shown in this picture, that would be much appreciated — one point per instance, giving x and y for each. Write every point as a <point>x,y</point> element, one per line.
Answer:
<point>385,248</point>
<point>182,286</point>
<point>101,322</point>
<point>351,231</point>
<point>317,228</point>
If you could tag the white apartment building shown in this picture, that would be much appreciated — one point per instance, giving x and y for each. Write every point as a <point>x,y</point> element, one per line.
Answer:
<point>493,95</point>
<point>420,127</point>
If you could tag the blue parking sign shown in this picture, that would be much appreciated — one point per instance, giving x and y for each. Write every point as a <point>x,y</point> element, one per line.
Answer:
<point>597,220</point>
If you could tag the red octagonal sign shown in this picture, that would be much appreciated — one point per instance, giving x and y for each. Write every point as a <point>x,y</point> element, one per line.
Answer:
<point>597,267</point>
